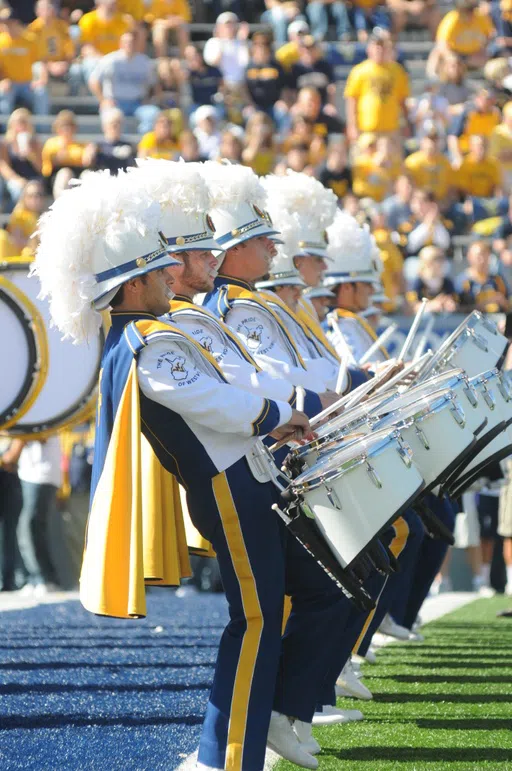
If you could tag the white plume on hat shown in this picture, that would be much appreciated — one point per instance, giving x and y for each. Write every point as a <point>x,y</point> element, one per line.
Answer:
<point>96,217</point>
<point>230,184</point>
<point>346,235</point>
<point>175,184</point>
<point>304,196</point>
<point>352,251</point>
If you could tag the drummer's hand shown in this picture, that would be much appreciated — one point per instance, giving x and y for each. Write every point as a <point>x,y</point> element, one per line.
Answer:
<point>328,398</point>
<point>297,428</point>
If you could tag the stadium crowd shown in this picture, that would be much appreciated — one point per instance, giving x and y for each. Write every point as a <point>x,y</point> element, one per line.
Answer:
<point>402,107</point>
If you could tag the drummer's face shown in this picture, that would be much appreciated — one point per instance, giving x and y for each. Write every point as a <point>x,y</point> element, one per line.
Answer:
<point>363,292</point>
<point>196,273</point>
<point>355,296</point>
<point>156,292</point>
<point>311,268</point>
<point>290,295</point>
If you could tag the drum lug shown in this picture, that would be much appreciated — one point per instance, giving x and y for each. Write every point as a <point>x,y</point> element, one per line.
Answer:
<point>489,398</point>
<point>458,413</point>
<point>373,475</point>
<point>480,342</point>
<point>405,453</point>
<point>471,395</point>
<point>333,497</point>
<point>421,436</point>
<point>504,390</point>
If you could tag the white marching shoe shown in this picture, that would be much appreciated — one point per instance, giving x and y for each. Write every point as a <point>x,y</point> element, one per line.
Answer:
<point>332,715</point>
<point>283,740</point>
<point>305,737</point>
<point>348,684</point>
<point>392,629</point>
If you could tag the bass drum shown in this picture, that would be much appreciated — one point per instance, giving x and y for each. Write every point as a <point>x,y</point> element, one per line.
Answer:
<point>68,396</point>
<point>24,353</point>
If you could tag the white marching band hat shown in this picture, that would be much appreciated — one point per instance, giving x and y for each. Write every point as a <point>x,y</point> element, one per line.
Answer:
<point>314,292</point>
<point>312,206</point>
<point>238,204</point>
<point>352,251</point>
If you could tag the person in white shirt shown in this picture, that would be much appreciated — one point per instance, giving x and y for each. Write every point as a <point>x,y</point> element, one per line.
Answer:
<point>228,48</point>
<point>39,470</point>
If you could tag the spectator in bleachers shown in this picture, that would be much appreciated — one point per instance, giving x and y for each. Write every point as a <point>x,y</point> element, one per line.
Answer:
<point>228,49</point>
<point>231,147</point>
<point>99,34</point>
<point>431,112</point>
<point>189,148</point>
<point>207,131</point>
<point>430,169</point>
<point>168,16</point>
<point>266,81</point>
<point>497,73</point>
<point>312,70</point>
<point>480,116</point>
<point>426,227</point>
<point>20,155</point>
<point>56,46</point>
<point>465,31</point>
<point>500,146</point>
<point>453,86</point>
<point>305,133</point>
<point>366,15</point>
<point>127,80</point>
<point>309,106</point>
<point>391,257</point>
<point>288,53</point>
<point>280,15</point>
<point>204,80</point>
<point>478,286</point>
<point>112,152</point>
<point>422,13</point>
<point>479,175</point>
<point>501,11</point>
<point>321,12</point>
<point>19,52</point>
<point>23,220</point>
<point>376,93</point>
<point>335,173</point>
<point>259,151</point>
<point>397,207</point>
<point>433,283</point>
<point>63,151</point>
<point>162,142</point>
<point>375,168</point>
<point>297,159</point>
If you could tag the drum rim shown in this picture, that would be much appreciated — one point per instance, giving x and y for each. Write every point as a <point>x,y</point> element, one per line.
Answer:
<point>81,409</point>
<point>28,333</point>
<point>440,398</point>
<point>387,439</point>
<point>40,368</point>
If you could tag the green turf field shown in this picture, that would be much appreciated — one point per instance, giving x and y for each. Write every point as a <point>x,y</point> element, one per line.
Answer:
<point>442,704</point>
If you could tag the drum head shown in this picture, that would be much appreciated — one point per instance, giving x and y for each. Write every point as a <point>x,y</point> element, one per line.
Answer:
<point>19,354</point>
<point>72,369</point>
<point>409,404</point>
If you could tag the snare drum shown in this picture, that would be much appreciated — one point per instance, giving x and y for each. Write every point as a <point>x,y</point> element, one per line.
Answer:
<point>496,441</point>
<point>475,346</point>
<point>356,492</point>
<point>436,430</point>
<point>24,354</point>
<point>69,393</point>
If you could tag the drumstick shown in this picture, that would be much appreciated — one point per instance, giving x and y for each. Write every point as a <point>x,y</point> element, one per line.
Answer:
<point>300,396</point>
<point>418,353</point>
<point>384,337</point>
<point>413,330</point>
<point>341,375</point>
<point>338,334</point>
<point>420,363</point>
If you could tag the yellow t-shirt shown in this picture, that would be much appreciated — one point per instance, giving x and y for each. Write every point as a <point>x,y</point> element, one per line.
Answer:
<point>263,163</point>
<point>54,40</point>
<point>17,55</point>
<point>479,178</point>
<point>380,90</point>
<point>134,8</point>
<point>372,181</point>
<point>153,149</point>
<point>103,35</point>
<point>436,175</point>
<point>499,141</point>
<point>465,36</point>
<point>72,154</point>
<point>7,247</point>
<point>159,9</point>
<point>367,5</point>
<point>288,55</point>
<point>24,220</point>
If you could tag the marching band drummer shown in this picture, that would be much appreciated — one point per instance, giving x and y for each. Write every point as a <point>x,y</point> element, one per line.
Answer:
<point>320,298</point>
<point>246,232</point>
<point>108,242</point>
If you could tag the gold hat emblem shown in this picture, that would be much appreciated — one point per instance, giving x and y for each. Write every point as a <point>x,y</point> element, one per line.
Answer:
<point>141,262</point>
<point>180,241</point>
<point>235,232</point>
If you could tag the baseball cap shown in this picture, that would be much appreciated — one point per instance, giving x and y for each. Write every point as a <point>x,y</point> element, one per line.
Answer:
<point>298,27</point>
<point>227,16</point>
